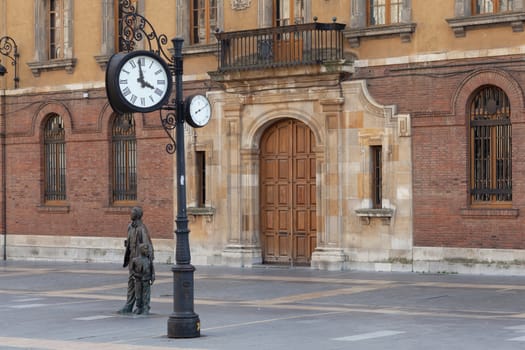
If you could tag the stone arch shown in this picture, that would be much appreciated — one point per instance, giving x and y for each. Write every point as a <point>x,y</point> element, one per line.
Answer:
<point>106,117</point>
<point>44,111</point>
<point>260,123</point>
<point>495,77</point>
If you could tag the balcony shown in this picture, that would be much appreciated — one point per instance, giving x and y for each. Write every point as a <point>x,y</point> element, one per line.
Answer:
<point>283,46</point>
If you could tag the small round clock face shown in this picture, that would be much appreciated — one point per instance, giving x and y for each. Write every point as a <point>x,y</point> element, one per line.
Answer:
<point>199,110</point>
<point>143,81</point>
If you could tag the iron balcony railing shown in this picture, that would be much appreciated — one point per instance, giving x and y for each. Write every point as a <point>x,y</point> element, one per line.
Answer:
<point>283,46</point>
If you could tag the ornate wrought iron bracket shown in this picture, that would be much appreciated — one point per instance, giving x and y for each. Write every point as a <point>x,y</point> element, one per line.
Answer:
<point>8,45</point>
<point>168,120</point>
<point>135,28</point>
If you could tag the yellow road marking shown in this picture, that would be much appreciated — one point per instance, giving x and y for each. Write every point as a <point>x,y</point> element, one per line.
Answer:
<point>314,295</point>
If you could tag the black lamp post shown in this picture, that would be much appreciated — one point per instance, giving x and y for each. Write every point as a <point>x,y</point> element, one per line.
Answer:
<point>183,322</point>
<point>8,45</point>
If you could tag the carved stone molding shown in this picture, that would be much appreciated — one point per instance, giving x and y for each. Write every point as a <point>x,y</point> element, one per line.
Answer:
<point>239,5</point>
<point>459,25</point>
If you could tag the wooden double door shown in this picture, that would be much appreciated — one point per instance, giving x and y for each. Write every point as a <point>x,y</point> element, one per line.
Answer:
<point>288,194</point>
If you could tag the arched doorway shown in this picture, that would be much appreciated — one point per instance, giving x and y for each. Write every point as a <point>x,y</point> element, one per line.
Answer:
<point>288,195</point>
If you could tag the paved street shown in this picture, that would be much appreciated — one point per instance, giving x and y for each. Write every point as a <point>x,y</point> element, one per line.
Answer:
<point>47,305</point>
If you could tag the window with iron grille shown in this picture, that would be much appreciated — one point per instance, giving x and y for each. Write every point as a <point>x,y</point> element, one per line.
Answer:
<point>384,12</point>
<point>490,147</point>
<point>54,159</point>
<point>124,159</point>
<point>203,21</point>
<point>491,6</point>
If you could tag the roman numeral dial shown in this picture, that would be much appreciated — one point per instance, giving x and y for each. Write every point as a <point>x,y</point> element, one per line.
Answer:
<point>138,81</point>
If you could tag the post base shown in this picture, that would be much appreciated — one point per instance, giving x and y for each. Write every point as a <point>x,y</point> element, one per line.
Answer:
<point>183,322</point>
<point>187,326</point>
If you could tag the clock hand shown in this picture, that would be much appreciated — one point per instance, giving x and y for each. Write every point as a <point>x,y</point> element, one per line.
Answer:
<point>140,79</point>
<point>146,84</point>
<point>200,109</point>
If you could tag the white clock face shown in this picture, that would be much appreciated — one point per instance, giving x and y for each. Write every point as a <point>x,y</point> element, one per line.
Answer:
<point>143,81</point>
<point>200,110</point>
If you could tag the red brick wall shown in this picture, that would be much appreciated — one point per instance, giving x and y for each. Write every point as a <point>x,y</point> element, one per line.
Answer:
<point>89,211</point>
<point>436,96</point>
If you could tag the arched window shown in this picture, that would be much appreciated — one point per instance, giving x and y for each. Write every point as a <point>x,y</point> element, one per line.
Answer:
<point>490,147</point>
<point>54,159</point>
<point>124,159</point>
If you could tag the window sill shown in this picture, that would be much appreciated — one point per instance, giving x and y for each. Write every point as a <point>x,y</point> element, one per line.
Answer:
<point>492,212</point>
<point>53,208</point>
<point>67,64</point>
<point>365,214</point>
<point>120,208</point>
<point>404,30</point>
<point>200,49</point>
<point>201,211</point>
<point>460,24</point>
<point>208,212</point>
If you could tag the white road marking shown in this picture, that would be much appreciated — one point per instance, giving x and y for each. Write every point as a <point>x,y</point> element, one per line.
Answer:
<point>520,328</point>
<point>92,318</point>
<point>27,306</point>
<point>517,329</point>
<point>26,300</point>
<point>517,339</point>
<point>371,335</point>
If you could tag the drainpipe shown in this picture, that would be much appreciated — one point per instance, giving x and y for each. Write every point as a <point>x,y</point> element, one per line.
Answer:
<point>3,129</point>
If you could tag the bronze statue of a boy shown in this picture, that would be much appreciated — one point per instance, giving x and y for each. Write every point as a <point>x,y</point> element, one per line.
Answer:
<point>144,274</point>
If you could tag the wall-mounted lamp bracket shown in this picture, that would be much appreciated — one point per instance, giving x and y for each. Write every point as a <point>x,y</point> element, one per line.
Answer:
<point>9,49</point>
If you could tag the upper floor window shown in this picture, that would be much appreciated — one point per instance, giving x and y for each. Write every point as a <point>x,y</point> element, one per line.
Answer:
<point>203,21</point>
<point>288,12</point>
<point>55,28</point>
<point>380,18</point>
<point>490,147</point>
<point>381,12</point>
<point>197,21</point>
<point>124,159</point>
<point>496,13</point>
<point>54,159</point>
<point>53,36</point>
<point>491,6</point>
